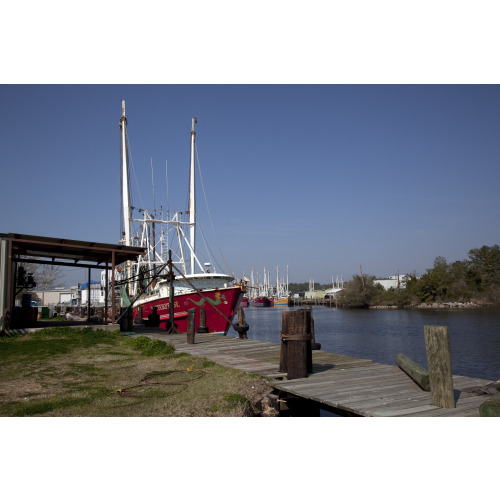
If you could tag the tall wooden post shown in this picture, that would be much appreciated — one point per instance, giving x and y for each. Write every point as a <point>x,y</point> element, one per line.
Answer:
<point>190,325</point>
<point>171,296</point>
<point>106,294</point>
<point>296,336</point>
<point>113,299</point>
<point>203,322</point>
<point>437,345</point>
<point>88,300</point>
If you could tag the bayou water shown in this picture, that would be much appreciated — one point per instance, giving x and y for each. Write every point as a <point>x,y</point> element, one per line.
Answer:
<point>380,335</point>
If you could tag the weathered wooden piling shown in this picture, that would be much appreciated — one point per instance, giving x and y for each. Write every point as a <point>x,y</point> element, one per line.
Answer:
<point>296,338</point>
<point>243,327</point>
<point>190,325</point>
<point>437,345</point>
<point>202,328</point>
<point>416,372</point>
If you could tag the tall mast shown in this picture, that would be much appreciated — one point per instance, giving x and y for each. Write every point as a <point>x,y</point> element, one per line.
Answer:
<point>192,198</point>
<point>125,185</point>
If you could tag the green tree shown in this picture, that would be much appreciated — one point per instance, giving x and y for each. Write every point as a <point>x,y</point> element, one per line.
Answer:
<point>460,283</point>
<point>433,285</point>
<point>360,292</point>
<point>484,264</point>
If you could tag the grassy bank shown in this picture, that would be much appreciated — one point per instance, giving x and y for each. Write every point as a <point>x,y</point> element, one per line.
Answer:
<point>66,372</point>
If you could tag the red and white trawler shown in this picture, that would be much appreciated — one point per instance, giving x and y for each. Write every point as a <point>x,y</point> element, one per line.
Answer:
<point>146,283</point>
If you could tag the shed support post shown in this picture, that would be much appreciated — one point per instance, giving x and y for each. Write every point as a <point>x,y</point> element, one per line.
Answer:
<point>10,287</point>
<point>113,319</point>
<point>106,294</point>
<point>88,300</point>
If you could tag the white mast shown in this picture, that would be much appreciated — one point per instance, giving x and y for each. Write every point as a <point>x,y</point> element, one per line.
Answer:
<point>125,185</point>
<point>192,198</point>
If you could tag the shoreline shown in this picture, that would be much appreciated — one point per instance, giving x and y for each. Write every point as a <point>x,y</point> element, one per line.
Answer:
<point>436,305</point>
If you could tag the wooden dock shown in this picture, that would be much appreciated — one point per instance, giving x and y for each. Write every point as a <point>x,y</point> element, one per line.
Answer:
<point>341,384</point>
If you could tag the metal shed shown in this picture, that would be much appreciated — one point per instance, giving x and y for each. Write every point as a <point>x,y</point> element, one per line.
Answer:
<point>15,248</point>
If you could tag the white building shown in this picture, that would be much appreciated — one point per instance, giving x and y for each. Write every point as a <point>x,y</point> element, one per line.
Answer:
<point>332,292</point>
<point>59,295</point>
<point>97,294</point>
<point>395,282</point>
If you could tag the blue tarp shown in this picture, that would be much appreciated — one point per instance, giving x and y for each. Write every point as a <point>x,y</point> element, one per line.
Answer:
<point>92,282</point>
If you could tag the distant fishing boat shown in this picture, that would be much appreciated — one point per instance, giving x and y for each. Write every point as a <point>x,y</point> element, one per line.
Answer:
<point>261,301</point>
<point>244,302</point>
<point>282,297</point>
<point>146,284</point>
<point>282,302</point>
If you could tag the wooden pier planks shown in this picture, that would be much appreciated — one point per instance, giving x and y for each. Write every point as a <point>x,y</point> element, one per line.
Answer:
<point>380,392</point>
<point>358,386</point>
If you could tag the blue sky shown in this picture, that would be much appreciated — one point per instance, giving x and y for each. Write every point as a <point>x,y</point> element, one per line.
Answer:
<point>322,178</point>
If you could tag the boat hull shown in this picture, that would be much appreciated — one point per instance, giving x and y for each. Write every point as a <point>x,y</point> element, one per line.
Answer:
<point>220,306</point>
<point>281,302</point>
<point>261,302</point>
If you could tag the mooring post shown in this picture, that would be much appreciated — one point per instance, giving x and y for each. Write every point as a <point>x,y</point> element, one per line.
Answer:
<point>242,333</point>
<point>296,336</point>
<point>203,322</point>
<point>190,325</point>
<point>437,346</point>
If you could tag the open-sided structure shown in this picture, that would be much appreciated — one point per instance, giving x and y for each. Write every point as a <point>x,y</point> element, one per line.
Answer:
<point>20,248</point>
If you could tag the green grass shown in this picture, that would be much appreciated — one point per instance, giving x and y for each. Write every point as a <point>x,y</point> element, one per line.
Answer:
<point>69,372</point>
<point>150,347</point>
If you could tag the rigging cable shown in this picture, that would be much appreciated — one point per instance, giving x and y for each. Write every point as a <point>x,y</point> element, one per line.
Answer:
<point>207,249</point>
<point>129,154</point>
<point>208,211</point>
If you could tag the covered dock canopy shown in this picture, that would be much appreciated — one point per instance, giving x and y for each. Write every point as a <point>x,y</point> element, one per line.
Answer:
<point>58,252</point>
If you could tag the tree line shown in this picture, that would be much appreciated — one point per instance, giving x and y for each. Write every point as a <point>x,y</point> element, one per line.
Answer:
<point>475,279</point>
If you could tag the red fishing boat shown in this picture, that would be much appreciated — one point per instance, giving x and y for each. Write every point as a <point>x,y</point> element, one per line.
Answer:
<point>148,284</point>
<point>261,301</point>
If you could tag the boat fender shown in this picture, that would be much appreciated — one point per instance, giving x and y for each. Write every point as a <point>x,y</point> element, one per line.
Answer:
<point>242,330</point>
<point>315,346</point>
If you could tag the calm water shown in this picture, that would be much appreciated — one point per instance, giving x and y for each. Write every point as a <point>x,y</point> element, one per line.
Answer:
<point>380,335</point>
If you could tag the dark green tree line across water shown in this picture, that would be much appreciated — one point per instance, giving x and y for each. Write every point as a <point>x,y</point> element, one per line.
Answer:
<point>475,279</point>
